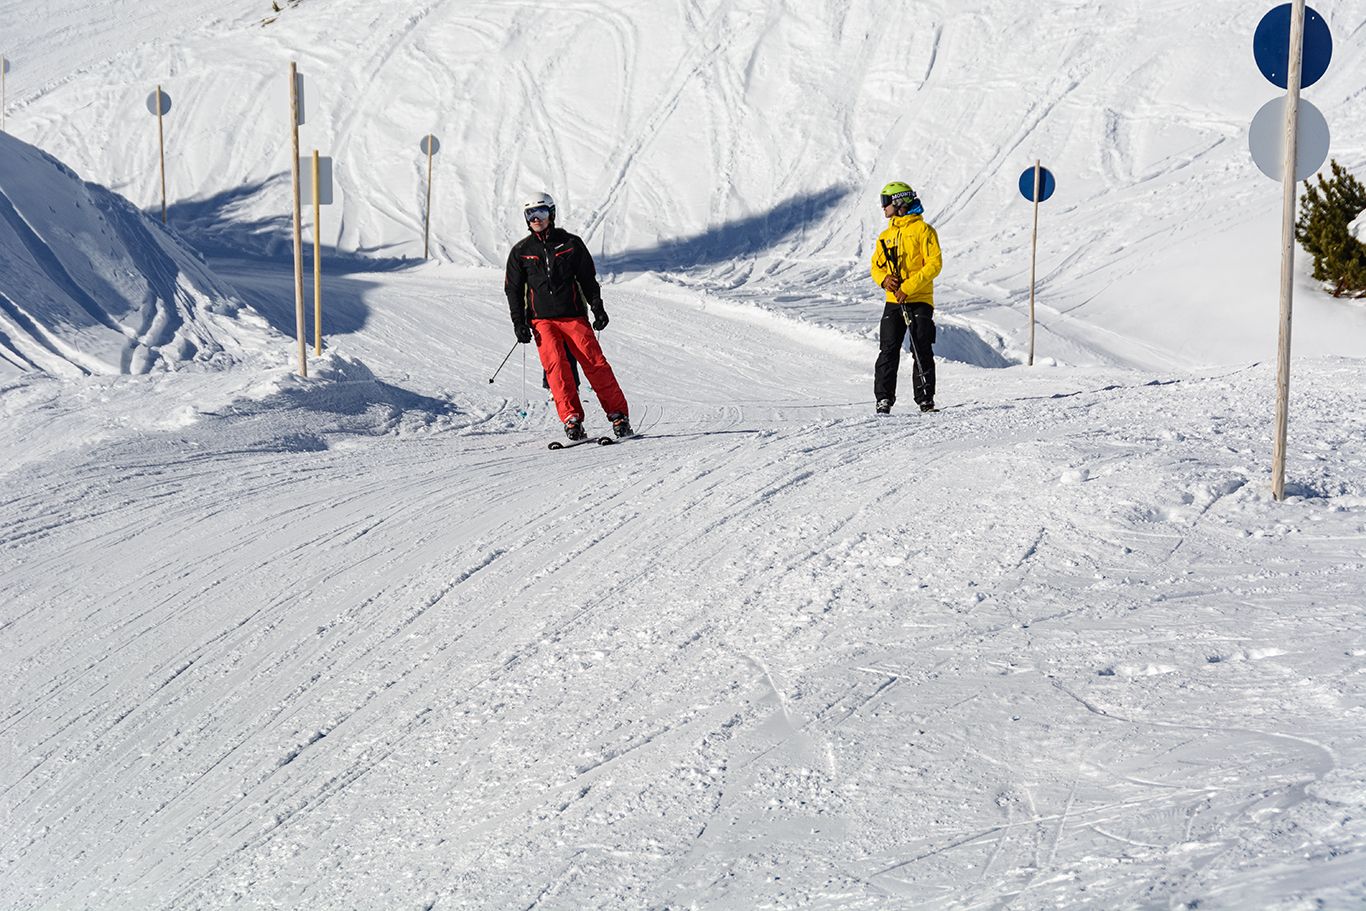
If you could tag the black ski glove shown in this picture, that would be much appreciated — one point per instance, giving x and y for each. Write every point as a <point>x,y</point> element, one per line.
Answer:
<point>599,316</point>
<point>523,332</point>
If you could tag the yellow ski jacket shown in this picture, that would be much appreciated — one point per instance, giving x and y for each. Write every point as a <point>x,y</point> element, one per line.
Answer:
<point>914,249</point>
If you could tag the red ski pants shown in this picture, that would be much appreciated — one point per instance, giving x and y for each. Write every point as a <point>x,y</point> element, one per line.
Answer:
<point>552,337</point>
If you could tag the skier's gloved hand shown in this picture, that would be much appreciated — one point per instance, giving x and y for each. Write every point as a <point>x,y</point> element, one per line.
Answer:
<point>892,283</point>
<point>599,316</point>
<point>523,332</point>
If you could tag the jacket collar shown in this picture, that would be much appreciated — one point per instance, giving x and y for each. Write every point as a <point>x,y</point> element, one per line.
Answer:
<point>902,221</point>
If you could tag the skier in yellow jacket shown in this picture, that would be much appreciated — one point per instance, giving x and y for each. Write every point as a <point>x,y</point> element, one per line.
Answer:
<point>906,260</point>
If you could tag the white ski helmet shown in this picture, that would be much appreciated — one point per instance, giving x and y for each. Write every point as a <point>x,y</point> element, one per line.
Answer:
<point>539,201</point>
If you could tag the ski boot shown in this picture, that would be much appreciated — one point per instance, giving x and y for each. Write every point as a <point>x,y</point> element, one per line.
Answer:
<point>573,428</point>
<point>927,407</point>
<point>621,425</point>
<point>884,406</point>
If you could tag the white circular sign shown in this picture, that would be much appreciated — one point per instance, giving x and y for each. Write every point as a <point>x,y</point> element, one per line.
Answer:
<point>1266,138</point>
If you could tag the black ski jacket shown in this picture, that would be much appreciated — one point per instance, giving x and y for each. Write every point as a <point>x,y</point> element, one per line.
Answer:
<point>551,278</point>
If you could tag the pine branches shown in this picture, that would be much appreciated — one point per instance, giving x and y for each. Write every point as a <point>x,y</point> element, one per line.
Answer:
<point>1323,230</point>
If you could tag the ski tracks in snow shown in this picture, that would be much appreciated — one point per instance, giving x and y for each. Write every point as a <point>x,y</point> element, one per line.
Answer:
<point>739,661</point>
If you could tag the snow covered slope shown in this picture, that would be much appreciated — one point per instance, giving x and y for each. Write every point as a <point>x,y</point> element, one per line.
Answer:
<point>741,140</point>
<point>89,285</point>
<point>1053,648</point>
<point>361,641</point>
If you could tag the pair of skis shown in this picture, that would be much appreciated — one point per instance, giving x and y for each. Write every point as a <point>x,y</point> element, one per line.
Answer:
<point>601,441</point>
<point>570,444</point>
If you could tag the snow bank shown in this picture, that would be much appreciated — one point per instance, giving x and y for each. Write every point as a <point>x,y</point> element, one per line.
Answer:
<point>279,411</point>
<point>267,408</point>
<point>89,285</point>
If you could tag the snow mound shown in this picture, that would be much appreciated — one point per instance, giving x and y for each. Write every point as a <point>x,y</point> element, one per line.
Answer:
<point>340,399</point>
<point>267,408</point>
<point>89,285</point>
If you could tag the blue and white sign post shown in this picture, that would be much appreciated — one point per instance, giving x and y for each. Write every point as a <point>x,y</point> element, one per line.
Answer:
<point>1292,47</point>
<point>1036,184</point>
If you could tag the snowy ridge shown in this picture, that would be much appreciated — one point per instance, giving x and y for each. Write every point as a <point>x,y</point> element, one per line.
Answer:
<point>89,285</point>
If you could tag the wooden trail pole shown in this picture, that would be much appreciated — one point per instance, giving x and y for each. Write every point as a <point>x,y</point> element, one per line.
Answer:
<point>317,260</point>
<point>1034,255</point>
<point>161,151</point>
<point>300,331</point>
<point>1292,110</point>
<point>427,226</point>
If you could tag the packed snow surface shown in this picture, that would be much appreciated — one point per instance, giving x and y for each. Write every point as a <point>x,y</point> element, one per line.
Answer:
<point>360,640</point>
<point>364,643</point>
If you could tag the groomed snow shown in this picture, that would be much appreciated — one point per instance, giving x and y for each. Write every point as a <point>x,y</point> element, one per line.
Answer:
<point>362,641</point>
<point>352,642</point>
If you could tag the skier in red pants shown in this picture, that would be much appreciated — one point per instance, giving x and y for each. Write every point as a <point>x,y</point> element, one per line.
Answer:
<point>551,285</point>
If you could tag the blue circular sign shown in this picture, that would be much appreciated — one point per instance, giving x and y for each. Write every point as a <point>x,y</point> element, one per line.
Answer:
<point>1046,184</point>
<point>1271,47</point>
<point>152,103</point>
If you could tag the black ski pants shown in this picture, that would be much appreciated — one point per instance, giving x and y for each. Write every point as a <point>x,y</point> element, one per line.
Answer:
<point>893,333</point>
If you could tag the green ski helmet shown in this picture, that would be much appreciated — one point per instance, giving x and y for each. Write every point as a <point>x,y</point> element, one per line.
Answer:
<point>899,193</point>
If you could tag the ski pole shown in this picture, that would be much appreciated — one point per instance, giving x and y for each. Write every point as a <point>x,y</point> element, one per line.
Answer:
<point>889,254</point>
<point>505,360</point>
<point>910,335</point>
<point>894,268</point>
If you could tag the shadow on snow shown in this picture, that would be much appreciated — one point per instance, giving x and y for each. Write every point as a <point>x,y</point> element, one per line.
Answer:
<point>268,287</point>
<point>256,256</point>
<point>220,226</point>
<point>739,239</point>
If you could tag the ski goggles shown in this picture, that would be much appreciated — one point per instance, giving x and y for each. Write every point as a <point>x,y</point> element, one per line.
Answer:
<point>540,213</point>
<point>899,199</point>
